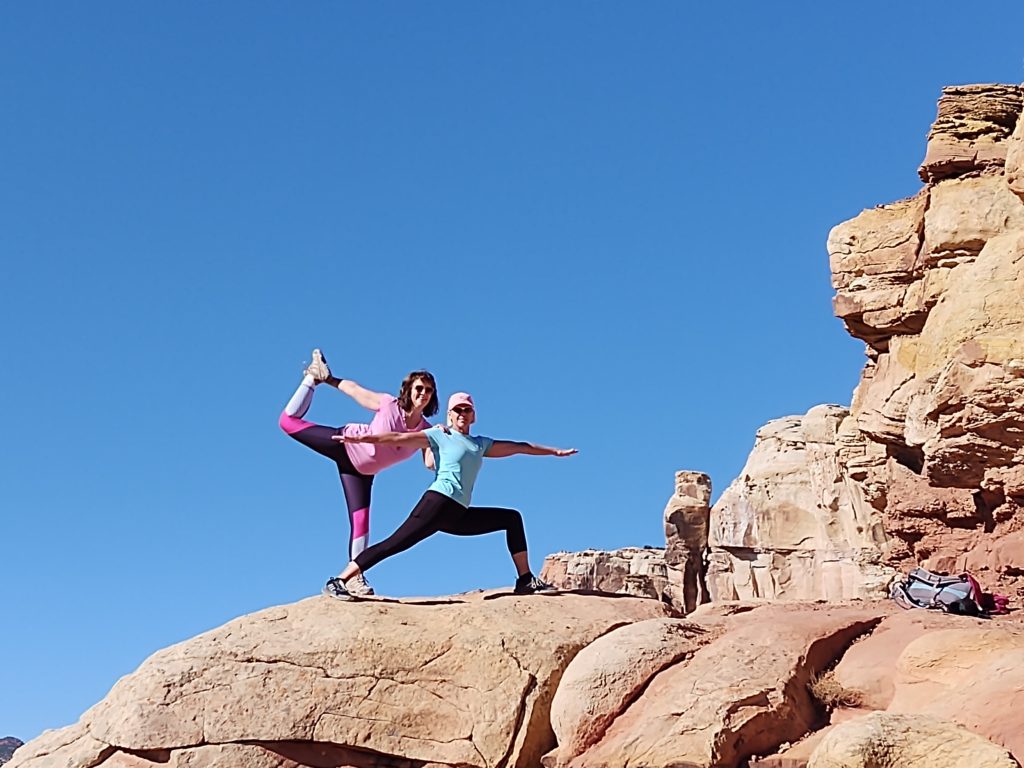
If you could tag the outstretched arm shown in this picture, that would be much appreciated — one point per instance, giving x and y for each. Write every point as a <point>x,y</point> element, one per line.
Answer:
<point>365,397</point>
<point>414,439</point>
<point>502,448</point>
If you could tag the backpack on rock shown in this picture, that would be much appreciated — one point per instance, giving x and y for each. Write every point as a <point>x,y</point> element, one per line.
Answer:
<point>924,589</point>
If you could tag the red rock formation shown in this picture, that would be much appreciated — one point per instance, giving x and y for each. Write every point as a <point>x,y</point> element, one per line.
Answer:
<point>933,284</point>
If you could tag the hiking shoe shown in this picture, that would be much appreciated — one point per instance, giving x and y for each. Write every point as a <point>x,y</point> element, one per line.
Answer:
<point>336,588</point>
<point>358,587</point>
<point>318,368</point>
<point>530,585</point>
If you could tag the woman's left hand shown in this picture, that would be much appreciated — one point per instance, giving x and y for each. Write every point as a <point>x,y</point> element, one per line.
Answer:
<point>565,451</point>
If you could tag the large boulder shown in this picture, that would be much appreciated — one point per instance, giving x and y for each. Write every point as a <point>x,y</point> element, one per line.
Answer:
<point>462,681</point>
<point>607,675</point>
<point>926,468</point>
<point>744,693</point>
<point>881,739</point>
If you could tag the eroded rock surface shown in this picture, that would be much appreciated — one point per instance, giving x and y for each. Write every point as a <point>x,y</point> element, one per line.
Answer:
<point>907,741</point>
<point>742,694</point>
<point>607,675</point>
<point>794,525</point>
<point>926,469</point>
<point>637,571</point>
<point>461,681</point>
<point>934,286</point>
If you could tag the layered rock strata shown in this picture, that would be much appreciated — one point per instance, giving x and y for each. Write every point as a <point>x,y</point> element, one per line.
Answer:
<point>933,285</point>
<point>927,465</point>
<point>794,524</point>
<point>636,571</point>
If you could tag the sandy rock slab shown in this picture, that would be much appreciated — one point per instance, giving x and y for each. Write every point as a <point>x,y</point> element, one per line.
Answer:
<point>742,694</point>
<point>463,681</point>
<point>881,739</point>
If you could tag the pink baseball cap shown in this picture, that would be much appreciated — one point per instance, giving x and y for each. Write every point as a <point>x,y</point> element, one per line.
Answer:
<point>461,398</point>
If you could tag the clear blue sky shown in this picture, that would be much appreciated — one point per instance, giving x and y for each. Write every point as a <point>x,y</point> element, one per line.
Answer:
<point>605,220</point>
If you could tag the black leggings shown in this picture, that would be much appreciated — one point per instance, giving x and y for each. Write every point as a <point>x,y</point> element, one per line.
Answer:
<point>436,512</point>
<point>354,483</point>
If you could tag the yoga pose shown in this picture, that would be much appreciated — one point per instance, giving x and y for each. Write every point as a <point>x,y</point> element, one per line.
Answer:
<point>358,462</point>
<point>445,505</point>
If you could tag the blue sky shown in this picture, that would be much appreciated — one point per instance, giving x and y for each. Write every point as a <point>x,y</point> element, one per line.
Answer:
<point>607,221</point>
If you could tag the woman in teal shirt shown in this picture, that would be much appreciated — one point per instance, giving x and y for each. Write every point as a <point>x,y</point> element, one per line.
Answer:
<point>445,506</point>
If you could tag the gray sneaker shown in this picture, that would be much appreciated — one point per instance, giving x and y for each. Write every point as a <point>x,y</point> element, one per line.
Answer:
<point>336,588</point>
<point>318,368</point>
<point>358,586</point>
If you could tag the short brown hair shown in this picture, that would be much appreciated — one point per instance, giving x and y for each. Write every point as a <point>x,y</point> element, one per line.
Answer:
<point>405,393</point>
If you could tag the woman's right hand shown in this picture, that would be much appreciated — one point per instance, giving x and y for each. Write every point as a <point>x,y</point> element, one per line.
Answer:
<point>354,438</point>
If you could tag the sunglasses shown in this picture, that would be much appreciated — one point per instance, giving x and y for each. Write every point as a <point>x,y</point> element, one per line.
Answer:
<point>420,388</point>
<point>460,409</point>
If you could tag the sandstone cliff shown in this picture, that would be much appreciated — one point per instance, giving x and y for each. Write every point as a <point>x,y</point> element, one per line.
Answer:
<point>933,285</point>
<point>925,466</point>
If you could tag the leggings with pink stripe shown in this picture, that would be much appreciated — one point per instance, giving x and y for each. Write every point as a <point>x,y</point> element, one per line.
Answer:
<point>354,483</point>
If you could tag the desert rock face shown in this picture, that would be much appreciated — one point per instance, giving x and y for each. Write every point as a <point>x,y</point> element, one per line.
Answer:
<point>926,466</point>
<point>794,525</point>
<point>934,286</point>
<point>971,130</point>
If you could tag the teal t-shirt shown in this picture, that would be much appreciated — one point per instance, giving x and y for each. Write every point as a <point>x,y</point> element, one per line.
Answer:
<point>457,458</point>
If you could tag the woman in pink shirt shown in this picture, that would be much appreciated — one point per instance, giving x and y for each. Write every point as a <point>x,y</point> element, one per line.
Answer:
<point>358,463</point>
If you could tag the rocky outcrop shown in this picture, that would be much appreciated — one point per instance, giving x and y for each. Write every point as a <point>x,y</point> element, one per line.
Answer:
<point>675,574</point>
<point>971,674</point>
<point>687,519</point>
<point>7,746</point>
<point>970,133</point>
<point>636,571</point>
<point>794,524</point>
<point>463,681</point>
<point>933,285</point>
<point>926,466</point>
